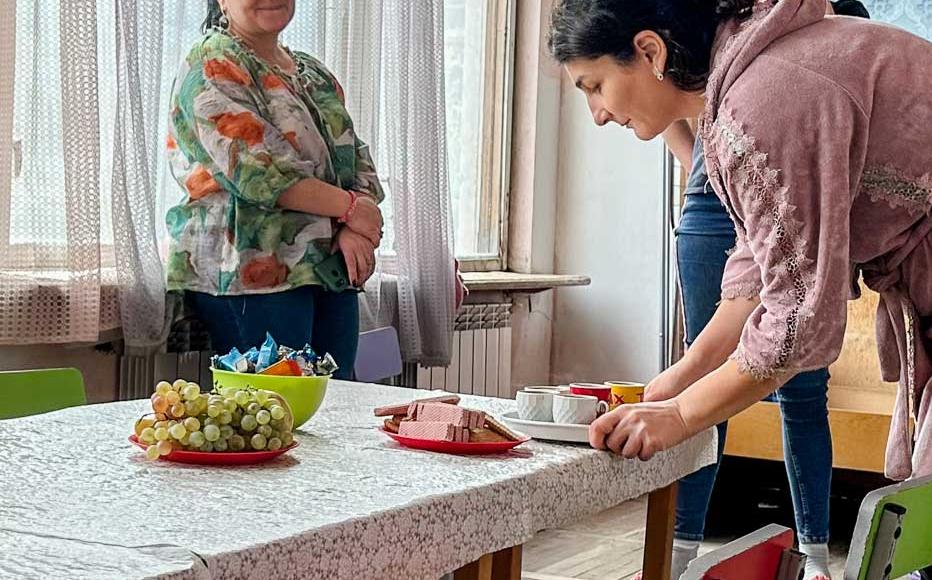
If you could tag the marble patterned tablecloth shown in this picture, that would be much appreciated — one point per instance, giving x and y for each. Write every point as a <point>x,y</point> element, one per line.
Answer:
<point>77,500</point>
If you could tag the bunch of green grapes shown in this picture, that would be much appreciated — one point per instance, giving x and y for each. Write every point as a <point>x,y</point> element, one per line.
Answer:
<point>233,419</point>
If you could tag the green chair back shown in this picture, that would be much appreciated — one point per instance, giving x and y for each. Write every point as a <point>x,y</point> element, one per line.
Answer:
<point>893,535</point>
<point>25,393</point>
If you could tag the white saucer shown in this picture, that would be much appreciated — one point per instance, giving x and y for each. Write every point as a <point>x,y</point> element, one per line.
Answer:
<point>546,430</point>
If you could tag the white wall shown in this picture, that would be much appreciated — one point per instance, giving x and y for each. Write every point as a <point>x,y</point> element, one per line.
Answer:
<point>609,226</point>
<point>532,210</point>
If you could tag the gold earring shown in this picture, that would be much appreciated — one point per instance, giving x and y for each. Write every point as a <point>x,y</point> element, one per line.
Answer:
<point>658,74</point>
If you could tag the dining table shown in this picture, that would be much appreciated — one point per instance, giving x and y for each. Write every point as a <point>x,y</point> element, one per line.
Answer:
<point>79,501</point>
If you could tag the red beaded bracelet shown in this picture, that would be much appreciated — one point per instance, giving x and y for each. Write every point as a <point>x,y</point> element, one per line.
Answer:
<point>348,214</point>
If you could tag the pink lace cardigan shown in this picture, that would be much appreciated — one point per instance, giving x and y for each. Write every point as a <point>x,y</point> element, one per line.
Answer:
<point>818,139</point>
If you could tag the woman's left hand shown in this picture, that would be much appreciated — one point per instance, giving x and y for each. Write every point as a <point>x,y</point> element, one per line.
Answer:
<point>359,254</point>
<point>639,430</point>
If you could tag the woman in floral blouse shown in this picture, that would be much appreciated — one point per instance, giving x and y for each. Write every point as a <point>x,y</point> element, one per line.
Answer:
<point>274,179</point>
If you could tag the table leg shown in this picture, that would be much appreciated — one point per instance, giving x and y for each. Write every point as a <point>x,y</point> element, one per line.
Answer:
<point>502,565</point>
<point>481,569</point>
<point>658,540</point>
<point>506,564</point>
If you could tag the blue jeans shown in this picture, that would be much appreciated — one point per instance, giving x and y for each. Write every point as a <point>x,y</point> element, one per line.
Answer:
<point>705,235</point>
<point>328,321</point>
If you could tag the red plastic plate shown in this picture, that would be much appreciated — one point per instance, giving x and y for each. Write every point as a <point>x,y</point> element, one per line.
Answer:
<point>218,457</point>
<point>453,447</point>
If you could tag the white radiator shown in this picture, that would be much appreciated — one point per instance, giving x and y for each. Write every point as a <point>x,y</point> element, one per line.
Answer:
<point>139,374</point>
<point>481,362</point>
<point>480,365</point>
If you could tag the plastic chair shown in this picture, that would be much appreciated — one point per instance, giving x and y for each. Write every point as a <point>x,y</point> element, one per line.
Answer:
<point>378,356</point>
<point>32,392</point>
<point>766,554</point>
<point>893,534</point>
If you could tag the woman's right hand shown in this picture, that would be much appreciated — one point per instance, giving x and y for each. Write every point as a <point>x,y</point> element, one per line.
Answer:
<point>366,220</point>
<point>359,255</point>
<point>665,386</point>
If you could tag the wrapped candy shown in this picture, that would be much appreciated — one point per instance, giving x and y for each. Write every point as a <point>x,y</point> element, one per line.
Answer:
<point>283,368</point>
<point>252,357</point>
<point>305,359</point>
<point>326,365</point>
<point>274,359</point>
<point>232,361</point>
<point>268,354</point>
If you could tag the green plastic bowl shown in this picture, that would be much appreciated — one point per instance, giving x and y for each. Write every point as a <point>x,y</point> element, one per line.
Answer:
<point>304,394</point>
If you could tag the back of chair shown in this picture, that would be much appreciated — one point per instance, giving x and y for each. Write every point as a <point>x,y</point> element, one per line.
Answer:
<point>893,535</point>
<point>25,393</point>
<point>766,554</point>
<point>378,355</point>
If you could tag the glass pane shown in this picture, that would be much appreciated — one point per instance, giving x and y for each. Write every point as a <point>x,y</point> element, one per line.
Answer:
<point>464,42</point>
<point>37,199</point>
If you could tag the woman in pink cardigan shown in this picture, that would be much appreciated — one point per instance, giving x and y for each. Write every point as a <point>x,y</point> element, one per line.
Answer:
<point>818,140</point>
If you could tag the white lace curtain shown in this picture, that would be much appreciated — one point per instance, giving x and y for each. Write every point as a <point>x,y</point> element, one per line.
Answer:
<point>913,15</point>
<point>83,182</point>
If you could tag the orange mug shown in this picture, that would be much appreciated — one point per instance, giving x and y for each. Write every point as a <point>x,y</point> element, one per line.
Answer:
<point>625,393</point>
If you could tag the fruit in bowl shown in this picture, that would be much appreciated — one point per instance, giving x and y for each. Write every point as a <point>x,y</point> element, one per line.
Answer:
<point>304,394</point>
<point>234,419</point>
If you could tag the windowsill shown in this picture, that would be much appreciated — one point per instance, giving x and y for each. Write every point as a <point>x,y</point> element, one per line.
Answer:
<point>516,282</point>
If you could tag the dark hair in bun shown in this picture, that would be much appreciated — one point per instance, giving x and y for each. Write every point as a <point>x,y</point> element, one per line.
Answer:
<point>591,29</point>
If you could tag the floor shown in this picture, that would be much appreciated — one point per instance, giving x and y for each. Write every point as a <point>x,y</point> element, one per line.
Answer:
<point>609,546</point>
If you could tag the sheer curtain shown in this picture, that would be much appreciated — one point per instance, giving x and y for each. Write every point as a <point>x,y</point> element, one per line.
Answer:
<point>51,273</point>
<point>84,186</point>
<point>416,169</point>
<point>913,15</point>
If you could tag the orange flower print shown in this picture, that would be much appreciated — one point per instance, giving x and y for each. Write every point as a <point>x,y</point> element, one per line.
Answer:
<point>225,70</point>
<point>265,272</point>
<point>243,126</point>
<point>292,138</point>
<point>171,144</point>
<point>271,82</point>
<point>201,183</point>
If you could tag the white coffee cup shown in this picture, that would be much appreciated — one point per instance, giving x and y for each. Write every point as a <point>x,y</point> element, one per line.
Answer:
<point>535,405</point>
<point>577,409</point>
<point>551,390</point>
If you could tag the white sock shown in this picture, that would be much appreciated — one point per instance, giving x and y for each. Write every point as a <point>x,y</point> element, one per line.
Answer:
<point>683,552</point>
<point>816,560</point>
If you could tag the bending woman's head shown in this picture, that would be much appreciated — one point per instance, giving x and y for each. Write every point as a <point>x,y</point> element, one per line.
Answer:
<point>641,63</point>
<point>249,17</point>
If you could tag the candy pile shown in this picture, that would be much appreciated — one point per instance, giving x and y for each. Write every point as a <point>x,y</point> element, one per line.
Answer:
<point>441,419</point>
<point>272,359</point>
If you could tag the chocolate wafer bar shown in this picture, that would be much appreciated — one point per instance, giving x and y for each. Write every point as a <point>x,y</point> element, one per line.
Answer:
<point>482,435</point>
<point>446,413</point>
<point>433,430</point>
<point>402,408</point>
<point>494,424</point>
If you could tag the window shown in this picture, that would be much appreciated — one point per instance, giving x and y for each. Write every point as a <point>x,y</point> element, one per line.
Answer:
<point>478,53</point>
<point>478,45</point>
<point>477,42</point>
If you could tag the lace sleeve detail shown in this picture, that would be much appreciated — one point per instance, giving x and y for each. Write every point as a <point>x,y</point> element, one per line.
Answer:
<point>742,277</point>
<point>776,260</point>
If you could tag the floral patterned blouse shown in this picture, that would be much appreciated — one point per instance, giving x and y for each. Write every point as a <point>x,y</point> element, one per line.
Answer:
<point>241,132</point>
